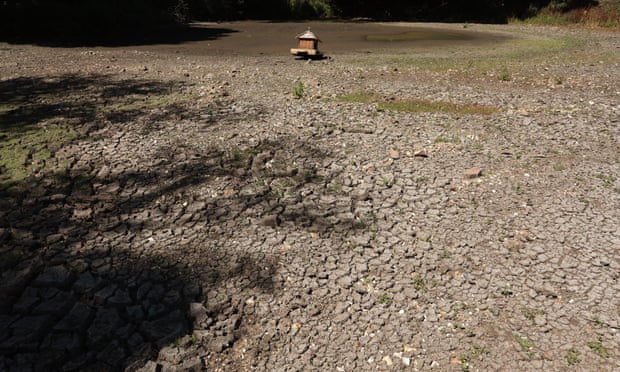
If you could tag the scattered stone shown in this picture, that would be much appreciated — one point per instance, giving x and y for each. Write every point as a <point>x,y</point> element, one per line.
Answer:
<point>388,361</point>
<point>106,292</point>
<point>192,365</point>
<point>513,245</point>
<point>473,173</point>
<point>220,343</point>
<point>421,153</point>
<point>270,221</point>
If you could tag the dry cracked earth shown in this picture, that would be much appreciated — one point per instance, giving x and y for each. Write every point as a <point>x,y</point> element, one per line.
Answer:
<point>178,207</point>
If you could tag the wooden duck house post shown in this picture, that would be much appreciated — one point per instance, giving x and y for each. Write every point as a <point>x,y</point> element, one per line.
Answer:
<point>308,45</point>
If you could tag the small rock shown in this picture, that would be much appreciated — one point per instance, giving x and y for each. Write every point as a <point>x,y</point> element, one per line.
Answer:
<point>513,244</point>
<point>421,153</point>
<point>218,344</point>
<point>431,316</point>
<point>345,282</point>
<point>150,366</point>
<point>170,354</point>
<point>473,172</point>
<point>394,154</point>
<point>198,312</point>
<point>388,360</point>
<point>271,220</point>
<point>192,365</point>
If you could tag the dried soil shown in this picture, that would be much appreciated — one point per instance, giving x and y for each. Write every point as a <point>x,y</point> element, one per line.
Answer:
<point>197,215</point>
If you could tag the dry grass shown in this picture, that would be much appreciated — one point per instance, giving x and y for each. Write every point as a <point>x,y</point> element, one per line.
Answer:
<point>418,105</point>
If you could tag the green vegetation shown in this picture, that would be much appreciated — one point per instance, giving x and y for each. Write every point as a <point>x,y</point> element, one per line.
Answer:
<point>418,105</point>
<point>298,91</point>
<point>506,290</point>
<point>38,116</point>
<point>572,356</point>
<point>479,350</point>
<point>531,314</point>
<point>24,151</point>
<point>560,13</point>
<point>387,181</point>
<point>463,359</point>
<point>334,187</point>
<point>598,348</point>
<point>526,345</point>
<point>518,188</point>
<point>476,352</point>
<point>608,181</point>
<point>195,341</point>
<point>462,307</point>
<point>103,18</point>
<point>384,299</point>
<point>505,75</point>
<point>283,187</point>
<point>420,283</point>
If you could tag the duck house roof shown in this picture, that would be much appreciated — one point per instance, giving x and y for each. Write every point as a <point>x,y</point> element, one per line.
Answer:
<point>308,35</point>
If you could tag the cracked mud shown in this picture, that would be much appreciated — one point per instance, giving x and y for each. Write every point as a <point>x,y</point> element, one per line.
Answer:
<point>168,210</point>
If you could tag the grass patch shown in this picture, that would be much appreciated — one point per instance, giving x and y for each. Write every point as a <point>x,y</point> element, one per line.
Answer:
<point>24,151</point>
<point>384,299</point>
<point>608,181</point>
<point>298,91</point>
<point>283,187</point>
<point>418,105</point>
<point>505,75</point>
<point>526,345</point>
<point>420,283</point>
<point>598,348</point>
<point>476,352</point>
<point>572,356</point>
<point>530,314</point>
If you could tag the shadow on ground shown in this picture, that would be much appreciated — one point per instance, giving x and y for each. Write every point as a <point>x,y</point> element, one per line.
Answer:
<point>89,280</point>
<point>167,35</point>
<point>109,257</point>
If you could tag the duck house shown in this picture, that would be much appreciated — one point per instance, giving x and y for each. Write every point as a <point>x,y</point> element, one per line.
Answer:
<point>308,45</point>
